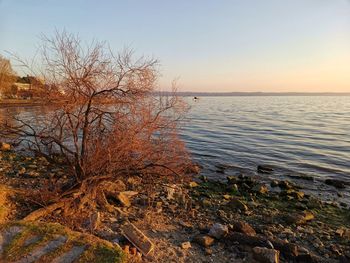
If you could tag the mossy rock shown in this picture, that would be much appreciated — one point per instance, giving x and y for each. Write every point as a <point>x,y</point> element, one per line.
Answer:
<point>50,242</point>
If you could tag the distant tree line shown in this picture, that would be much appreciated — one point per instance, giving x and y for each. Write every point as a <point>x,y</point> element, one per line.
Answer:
<point>14,86</point>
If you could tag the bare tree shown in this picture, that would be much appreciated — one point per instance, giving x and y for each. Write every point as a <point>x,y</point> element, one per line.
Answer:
<point>7,76</point>
<point>106,123</point>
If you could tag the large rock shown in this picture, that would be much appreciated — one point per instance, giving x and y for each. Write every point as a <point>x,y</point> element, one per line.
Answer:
<point>218,231</point>
<point>46,242</point>
<point>266,255</point>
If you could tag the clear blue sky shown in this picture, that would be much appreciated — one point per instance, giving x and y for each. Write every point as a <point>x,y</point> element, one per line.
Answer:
<point>211,45</point>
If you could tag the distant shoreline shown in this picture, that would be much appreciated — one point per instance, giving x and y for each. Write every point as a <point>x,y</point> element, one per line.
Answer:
<point>17,103</point>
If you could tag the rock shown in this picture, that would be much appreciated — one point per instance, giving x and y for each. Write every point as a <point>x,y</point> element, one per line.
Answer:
<point>295,194</point>
<point>260,188</point>
<point>218,231</point>
<point>336,183</point>
<point>186,245</point>
<point>206,202</point>
<point>193,184</point>
<point>22,171</point>
<point>5,147</point>
<point>340,231</point>
<point>227,197</point>
<point>314,203</point>
<point>237,204</point>
<point>299,219</point>
<point>265,169</point>
<point>289,250</point>
<point>243,227</point>
<point>124,199</point>
<point>71,255</point>
<point>45,249</point>
<point>138,238</point>
<point>133,251</point>
<point>7,236</point>
<point>204,240</point>
<point>285,185</point>
<point>274,183</point>
<point>266,255</point>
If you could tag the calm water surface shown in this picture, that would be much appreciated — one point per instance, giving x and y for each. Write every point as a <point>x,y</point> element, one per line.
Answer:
<point>297,135</point>
<point>308,135</point>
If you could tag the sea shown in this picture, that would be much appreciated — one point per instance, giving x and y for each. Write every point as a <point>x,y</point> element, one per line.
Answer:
<point>299,136</point>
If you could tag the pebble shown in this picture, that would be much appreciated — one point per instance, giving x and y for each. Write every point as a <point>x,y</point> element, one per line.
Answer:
<point>186,245</point>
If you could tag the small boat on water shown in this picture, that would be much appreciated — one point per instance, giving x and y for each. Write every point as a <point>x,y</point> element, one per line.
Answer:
<point>195,98</point>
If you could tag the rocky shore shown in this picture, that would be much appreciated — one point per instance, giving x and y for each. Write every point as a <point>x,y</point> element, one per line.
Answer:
<point>240,220</point>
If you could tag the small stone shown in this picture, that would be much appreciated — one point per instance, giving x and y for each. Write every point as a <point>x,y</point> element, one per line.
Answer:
<point>262,189</point>
<point>193,184</point>
<point>218,231</point>
<point>133,251</point>
<point>340,231</point>
<point>126,249</point>
<point>33,174</point>
<point>243,227</point>
<point>266,255</point>
<point>227,197</point>
<point>204,240</point>
<point>285,185</point>
<point>186,245</point>
<point>206,202</point>
<point>237,204</point>
<point>22,171</point>
<point>299,219</point>
<point>5,147</point>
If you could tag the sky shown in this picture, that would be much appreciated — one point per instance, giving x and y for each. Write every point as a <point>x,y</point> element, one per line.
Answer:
<point>208,45</point>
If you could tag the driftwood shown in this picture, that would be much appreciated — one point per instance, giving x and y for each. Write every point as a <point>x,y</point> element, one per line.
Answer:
<point>43,211</point>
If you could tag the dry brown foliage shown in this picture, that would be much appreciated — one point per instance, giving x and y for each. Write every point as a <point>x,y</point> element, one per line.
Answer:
<point>7,76</point>
<point>105,123</point>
